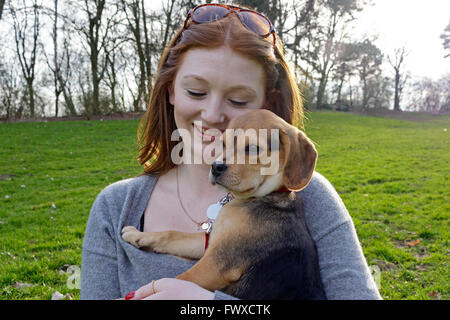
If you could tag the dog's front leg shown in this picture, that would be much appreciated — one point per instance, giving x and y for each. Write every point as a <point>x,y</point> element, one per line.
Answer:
<point>182,244</point>
<point>209,274</point>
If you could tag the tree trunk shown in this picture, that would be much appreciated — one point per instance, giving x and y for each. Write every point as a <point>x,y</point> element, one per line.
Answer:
<point>31,96</point>
<point>351,93</point>
<point>26,52</point>
<point>69,102</point>
<point>339,93</point>
<point>400,55</point>
<point>55,58</point>
<point>397,91</point>
<point>94,108</point>
<point>321,91</point>
<point>148,58</point>
<point>93,38</point>
<point>56,105</point>
<point>2,4</point>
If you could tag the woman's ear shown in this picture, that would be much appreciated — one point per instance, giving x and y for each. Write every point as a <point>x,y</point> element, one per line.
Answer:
<point>171,93</point>
<point>275,102</point>
<point>267,105</point>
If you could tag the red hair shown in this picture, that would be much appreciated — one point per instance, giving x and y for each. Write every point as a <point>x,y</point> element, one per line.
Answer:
<point>282,93</point>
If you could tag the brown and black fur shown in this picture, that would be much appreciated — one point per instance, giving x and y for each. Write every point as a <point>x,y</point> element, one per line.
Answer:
<point>260,246</point>
<point>278,251</point>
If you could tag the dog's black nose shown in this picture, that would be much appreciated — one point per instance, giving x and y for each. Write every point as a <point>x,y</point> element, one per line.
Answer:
<point>218,168</point>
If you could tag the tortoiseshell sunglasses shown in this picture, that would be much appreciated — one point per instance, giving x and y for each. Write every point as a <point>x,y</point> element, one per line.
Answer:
<point>252,20</point>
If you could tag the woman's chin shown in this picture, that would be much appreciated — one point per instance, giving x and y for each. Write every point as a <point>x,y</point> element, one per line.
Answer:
<point>207,153</point>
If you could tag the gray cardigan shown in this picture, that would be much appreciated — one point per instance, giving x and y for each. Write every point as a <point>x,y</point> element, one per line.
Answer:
<point>111,267</point>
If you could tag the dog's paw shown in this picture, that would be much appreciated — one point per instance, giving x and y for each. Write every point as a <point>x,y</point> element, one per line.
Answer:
<point>132,235</point>
<point>150,241</point>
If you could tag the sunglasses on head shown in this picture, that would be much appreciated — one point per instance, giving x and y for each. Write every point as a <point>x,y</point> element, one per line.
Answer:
<point>252,20</point>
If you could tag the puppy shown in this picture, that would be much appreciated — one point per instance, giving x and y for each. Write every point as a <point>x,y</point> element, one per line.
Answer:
<point>259,246</point>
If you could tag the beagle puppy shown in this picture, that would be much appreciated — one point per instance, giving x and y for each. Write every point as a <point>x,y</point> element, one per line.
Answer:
<point>259,246</point>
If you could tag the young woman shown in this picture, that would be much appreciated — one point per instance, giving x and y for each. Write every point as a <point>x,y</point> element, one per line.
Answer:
<point>223,62</point>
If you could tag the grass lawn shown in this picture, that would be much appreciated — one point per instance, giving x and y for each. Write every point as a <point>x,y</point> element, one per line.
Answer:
<point>392,175</point>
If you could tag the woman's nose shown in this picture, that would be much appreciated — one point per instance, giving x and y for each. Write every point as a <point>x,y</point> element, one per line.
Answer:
<point>213,111</point>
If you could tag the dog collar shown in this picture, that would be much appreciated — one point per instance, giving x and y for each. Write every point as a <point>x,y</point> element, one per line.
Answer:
<point>206,240</point>
<point>212,212</point>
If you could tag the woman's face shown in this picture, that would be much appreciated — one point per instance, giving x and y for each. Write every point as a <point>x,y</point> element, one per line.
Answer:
<point>213,86</point>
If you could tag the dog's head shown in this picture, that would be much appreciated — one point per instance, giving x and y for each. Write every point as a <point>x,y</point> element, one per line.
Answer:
<point>263,153</point>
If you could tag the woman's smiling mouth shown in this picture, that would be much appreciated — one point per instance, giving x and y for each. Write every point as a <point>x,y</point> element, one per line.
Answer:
<point>202,132</point>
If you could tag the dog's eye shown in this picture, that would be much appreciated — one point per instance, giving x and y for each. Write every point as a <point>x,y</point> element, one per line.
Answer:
<point>252,149</point>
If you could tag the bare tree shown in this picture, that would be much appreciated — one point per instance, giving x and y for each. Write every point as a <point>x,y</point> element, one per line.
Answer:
<point>58,59</point>
<point>172,16</point>
<point>54,62</point>
<point>431,95</point>
<point>27,46</point>
<point>113,68</point>
<point>136,17</point>
<point>397,62</point>
<point>65,75</point>
<point>100,18</point>
<point>10,88</point>
<point>168,10</point>
<point>56,70</point>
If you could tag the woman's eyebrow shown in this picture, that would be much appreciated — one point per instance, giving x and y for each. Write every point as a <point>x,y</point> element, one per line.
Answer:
<point>193,76</point>
<point>245,89</point>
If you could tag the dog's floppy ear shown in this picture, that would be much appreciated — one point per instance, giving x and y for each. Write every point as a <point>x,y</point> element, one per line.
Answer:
<point>300,159</point>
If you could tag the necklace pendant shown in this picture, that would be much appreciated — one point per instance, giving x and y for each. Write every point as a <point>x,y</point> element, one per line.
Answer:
<point>213,211</point>
<point>207,226</point>
<point>204,226</point>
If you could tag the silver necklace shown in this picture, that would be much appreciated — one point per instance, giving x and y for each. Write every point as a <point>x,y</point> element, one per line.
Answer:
<point>211,213</point>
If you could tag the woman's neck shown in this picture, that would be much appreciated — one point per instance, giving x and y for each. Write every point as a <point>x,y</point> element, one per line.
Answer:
<point>196,178</point>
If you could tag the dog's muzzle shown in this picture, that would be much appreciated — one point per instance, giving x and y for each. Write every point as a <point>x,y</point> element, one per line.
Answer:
<point>218,168</point>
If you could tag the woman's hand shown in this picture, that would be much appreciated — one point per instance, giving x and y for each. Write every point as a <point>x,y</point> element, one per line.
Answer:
<point>171,289</point>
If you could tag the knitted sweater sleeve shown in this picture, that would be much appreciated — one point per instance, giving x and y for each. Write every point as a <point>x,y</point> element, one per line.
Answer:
<point>343,267</point>
<point>99,268</point>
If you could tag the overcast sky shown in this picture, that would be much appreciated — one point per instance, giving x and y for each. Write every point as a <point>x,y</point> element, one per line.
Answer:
<point>415,24</point>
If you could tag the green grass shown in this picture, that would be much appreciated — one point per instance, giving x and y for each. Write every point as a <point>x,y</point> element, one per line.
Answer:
<point>391,174</point>
<point>51,173</point>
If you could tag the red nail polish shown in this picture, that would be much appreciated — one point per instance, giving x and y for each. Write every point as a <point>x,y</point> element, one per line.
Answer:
<point>130,295</point>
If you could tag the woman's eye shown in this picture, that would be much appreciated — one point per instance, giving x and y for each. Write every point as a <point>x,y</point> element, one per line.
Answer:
<point>195,93</point>
<point>238,103</point>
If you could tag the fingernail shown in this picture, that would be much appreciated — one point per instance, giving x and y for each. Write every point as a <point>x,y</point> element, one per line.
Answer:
<point>130,295</point>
